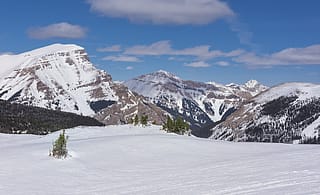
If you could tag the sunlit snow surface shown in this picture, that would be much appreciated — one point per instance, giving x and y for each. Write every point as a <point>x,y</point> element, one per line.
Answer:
<point>135,160</point>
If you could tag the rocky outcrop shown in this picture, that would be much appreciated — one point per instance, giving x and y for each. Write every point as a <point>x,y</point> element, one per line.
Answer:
<point>61,77</point>
<point>283,113</point>
<point>201,104</point>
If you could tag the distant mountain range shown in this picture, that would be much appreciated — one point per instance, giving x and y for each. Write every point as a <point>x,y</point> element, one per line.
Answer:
<point>201,104</point>
<point>61,77</point>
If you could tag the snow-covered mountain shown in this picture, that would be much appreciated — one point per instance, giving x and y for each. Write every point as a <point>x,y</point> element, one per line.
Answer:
<point>283,113</point>
<point>201,104</point>
<point>61,77</point>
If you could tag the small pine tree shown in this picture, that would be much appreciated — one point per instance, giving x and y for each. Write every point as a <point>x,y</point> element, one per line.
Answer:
<point>136,120</point>
<point>59,149</point>
<point>130,121</point>
<point>168,125</point>
<point>144,120</point>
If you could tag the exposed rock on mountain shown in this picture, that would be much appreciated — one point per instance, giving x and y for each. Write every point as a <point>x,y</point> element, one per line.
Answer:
<point>61,77</point>
<point>201,104</point>
<point>283,113</point>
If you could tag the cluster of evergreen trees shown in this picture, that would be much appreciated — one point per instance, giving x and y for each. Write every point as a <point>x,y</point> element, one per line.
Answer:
<point>298,115</point>
<point>178,126</point>
<point>18,118</point>
<point>310,140</point>
<point>143,120</point>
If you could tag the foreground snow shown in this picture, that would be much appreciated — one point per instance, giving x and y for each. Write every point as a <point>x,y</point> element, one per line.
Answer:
<point>131,160</point>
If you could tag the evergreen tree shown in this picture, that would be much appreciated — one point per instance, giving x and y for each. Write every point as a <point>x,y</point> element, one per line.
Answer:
<point>179,125</point>
<point>60,146</point>
<point>144,120</point>
<point>136,120</point>
<point>130,121</point>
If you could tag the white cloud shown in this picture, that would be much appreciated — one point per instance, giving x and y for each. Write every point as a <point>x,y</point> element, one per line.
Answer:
<point>223,63</point>
<point>291,56</point>
<point>122,58</point>
<point>129,68</point>
<point>202,52</point>
<point>58,30</point>
<point>164,11</point>
<point>178,59</point>
<point>199,64</point>
<point>113,48</point>
<point>156,49</point>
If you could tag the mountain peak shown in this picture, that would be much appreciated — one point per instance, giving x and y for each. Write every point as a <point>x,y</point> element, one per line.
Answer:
<point>54,48</point>
<point>11,62</point>
<point>166,74</point>
<point>61,77</point>
<point>251,83</point>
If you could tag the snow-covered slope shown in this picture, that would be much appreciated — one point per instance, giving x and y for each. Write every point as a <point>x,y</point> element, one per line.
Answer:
<point>201,104</point>
<point>56,77</point>
<point>283,113</point>
<point>61,77</point>
<point>133,160</point>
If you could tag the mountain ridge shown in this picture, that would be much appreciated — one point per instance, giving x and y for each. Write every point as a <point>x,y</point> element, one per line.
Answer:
<point>61,77</point>
<point>283,113</point>
<point>201,104</point>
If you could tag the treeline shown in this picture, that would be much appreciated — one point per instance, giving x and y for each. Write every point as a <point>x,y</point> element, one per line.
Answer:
<point>143,120</point>
<point>297,115</point>
<point>311,140</point>
<point>17,118</point>
<point>178,126</point>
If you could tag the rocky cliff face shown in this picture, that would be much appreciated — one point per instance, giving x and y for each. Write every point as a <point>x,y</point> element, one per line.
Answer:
<point>283,113</point>
<point>201,104</point>
<point>61,77</point>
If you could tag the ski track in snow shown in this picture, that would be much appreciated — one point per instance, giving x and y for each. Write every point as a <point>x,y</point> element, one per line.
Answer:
<point>135,160</point>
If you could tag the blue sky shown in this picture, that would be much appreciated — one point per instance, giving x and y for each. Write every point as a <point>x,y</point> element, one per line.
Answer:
<point>206,40</point>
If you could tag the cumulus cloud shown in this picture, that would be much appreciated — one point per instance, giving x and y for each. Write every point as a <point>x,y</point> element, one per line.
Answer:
<point>58,30</point>
<point>113,48</point>
<point>199,64</point>
<point>291,56</point>
<point>203,52</point>
<point>164,11</point>
<point>122,58</point>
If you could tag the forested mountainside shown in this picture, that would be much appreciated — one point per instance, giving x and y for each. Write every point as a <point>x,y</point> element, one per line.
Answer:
<point>283,113</point>
<point>17,118</point>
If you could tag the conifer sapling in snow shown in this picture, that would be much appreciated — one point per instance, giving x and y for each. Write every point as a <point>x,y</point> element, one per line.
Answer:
<point>59,149</point>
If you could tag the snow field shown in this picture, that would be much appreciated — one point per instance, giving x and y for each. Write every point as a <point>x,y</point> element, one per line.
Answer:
<point>137,160</point>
